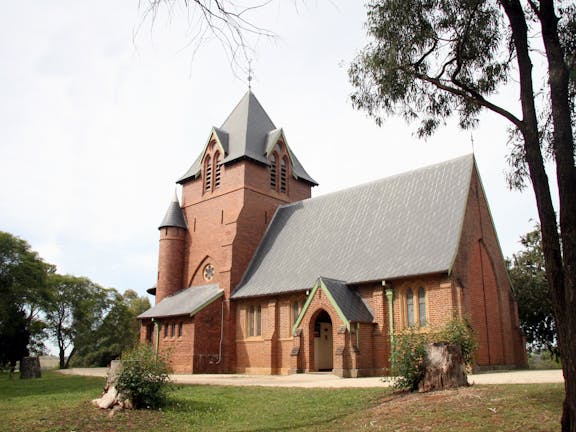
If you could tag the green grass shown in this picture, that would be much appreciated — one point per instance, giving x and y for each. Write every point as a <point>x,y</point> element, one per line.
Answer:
<point>62,403</point>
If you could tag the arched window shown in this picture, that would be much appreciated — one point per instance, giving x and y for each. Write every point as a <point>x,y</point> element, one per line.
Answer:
<point>273,171</point>
<point>410,307</point>
<point>251,321</point>
<point>259,321</point>
<point>255,320</point>
<point>283,175</point>
<point>218,169</point>
<point>295,312</point>
<point>422,306</point>
<point>208,173</point>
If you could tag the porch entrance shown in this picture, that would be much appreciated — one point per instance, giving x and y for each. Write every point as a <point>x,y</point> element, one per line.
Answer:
<point>323,346</point>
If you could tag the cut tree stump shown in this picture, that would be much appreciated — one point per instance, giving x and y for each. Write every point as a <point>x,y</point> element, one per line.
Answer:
<point>110,398</point>
<point>30,368</point>
<point>445,368</point>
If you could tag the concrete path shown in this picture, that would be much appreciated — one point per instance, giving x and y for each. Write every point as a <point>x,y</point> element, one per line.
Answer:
<point>327,380</point>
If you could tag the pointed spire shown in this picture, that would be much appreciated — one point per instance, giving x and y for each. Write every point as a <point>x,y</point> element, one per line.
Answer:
<point>174,216</point>
<point>250,74</point>
<point>246,134</point>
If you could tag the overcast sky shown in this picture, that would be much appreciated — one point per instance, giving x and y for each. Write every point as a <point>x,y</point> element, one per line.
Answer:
<point>100,114</point>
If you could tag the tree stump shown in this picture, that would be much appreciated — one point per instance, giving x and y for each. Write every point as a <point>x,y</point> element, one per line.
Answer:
<point>113,371</point>
<point>445,368</point>
<point>30,368</point>
<point>110,398</point>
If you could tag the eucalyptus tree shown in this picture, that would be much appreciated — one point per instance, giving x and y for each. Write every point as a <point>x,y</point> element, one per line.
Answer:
<point>75,310</point>
<point>431,59</point>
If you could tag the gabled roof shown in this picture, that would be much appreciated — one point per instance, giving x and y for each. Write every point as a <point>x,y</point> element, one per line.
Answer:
<point>408,224</point>
<point>186,302</point>
<point>174,216</point>
<point>347,302</point>
<point>246,133</point>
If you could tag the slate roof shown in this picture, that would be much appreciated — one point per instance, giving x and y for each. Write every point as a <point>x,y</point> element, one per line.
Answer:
<point>186,302</point>
<point>348,301</point>
<point>247,133</point>
<point>174,216</point>
<point>407,224</point>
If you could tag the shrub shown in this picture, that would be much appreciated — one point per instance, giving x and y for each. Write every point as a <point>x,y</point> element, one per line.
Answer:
<point>460,332</point>
<point>409,351</point>
<point>143,377</point>
<point>408,359</point>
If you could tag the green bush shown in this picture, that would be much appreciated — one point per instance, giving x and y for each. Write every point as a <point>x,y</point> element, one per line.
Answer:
<point>143,377</point>
<point>408,359</point>
<point>460,332</point>
<point>409,351</point>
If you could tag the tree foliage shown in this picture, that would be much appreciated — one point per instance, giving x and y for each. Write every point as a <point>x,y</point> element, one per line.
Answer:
<point>118,332</point>
<point>528,275</point>
<point>23,293</point>
<point>76,309</point>
<point>429,60</point>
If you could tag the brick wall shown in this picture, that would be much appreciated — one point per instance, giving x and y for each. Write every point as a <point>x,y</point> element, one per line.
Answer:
<point>486,294</point>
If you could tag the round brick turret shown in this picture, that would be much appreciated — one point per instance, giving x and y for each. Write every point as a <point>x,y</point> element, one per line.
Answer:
<point>171,254</point>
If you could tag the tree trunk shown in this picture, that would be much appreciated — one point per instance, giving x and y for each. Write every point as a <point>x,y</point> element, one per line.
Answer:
<point>445,368</point>
<point>67,364</point>
<point>30,368</point>
<point>564,296</point>
<point>560,267</point>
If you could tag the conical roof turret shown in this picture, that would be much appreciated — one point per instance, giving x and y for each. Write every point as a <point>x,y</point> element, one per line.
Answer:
<point>174,216</point>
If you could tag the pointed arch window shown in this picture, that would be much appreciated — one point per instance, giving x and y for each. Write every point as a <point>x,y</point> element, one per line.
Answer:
<point>218,169</point>
<point>410,307</point>
<point>273,171</point>
<point>208,173</point>
<point>422,306</point>
<point>251,317</point>
<point>259,320</point>
<point>415,305</point>
<point>283,175</point>
<point>295,311</point>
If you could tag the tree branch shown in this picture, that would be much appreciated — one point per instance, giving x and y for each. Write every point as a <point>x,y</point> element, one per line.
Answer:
<point>472,97</point>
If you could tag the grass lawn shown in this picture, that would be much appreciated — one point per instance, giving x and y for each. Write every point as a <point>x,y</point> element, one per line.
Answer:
<point>62,403</point>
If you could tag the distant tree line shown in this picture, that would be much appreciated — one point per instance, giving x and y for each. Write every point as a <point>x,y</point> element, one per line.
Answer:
<point>89,324</point>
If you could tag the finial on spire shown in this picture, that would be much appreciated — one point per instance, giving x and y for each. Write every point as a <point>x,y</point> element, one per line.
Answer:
<point>250,74</point>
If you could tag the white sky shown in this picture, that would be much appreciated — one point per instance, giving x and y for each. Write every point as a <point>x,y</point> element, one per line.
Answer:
<point>96,124</point>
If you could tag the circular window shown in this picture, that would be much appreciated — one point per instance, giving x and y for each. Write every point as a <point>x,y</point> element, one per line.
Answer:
<point>208,272</point>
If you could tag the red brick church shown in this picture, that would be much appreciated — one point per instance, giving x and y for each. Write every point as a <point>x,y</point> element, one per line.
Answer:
<point>254,276</point>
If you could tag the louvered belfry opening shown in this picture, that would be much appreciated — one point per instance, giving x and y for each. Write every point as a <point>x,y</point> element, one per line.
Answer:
<point>273,171</point>
<point>217,175</point>
<point>208,173</point>
<point>283,177</point>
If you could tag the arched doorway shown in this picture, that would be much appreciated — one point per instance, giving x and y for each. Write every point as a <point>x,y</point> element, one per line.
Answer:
<point>323,346</point>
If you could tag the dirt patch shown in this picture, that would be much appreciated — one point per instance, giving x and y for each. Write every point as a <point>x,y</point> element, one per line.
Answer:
<point>398,402</point>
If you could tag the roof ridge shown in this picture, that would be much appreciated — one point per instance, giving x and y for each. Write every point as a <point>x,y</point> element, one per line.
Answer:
<point>380,180</point>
